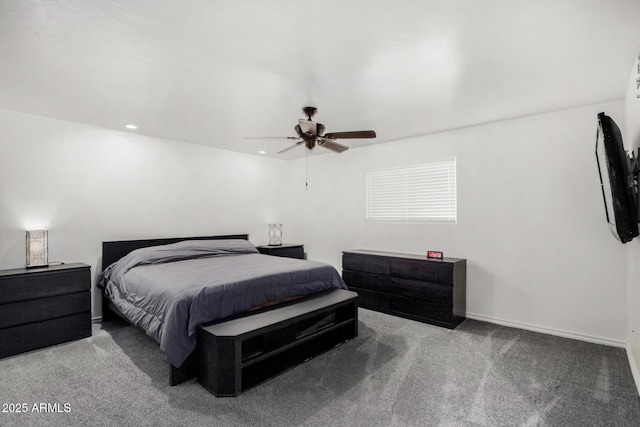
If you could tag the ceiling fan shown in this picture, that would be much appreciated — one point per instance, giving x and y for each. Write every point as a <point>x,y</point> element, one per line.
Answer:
<point>311,133</point>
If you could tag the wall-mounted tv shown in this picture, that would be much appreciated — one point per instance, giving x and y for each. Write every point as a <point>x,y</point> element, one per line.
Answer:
<point>617,179</point>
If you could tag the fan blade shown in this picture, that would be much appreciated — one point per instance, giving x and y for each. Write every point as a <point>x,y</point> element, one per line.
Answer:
<point>270,137</point>
<point>332,145</point>
<point>291,147</point>
<point>352,134</point>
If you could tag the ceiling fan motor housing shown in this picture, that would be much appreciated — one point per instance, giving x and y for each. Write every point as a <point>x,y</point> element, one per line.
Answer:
<point>309,111</point>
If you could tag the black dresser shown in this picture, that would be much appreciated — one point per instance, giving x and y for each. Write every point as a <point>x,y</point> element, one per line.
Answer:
<point>411,286</point>
<point>40,307</point>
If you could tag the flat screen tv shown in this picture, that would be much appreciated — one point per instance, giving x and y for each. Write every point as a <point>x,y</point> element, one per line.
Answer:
<point>617,180</point>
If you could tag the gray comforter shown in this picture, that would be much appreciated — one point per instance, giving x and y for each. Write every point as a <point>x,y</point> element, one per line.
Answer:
<point>169,290</point>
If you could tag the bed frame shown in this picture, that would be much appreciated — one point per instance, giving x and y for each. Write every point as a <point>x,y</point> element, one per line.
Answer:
<point>114,250</point>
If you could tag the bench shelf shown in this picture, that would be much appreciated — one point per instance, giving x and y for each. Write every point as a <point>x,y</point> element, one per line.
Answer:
<point>238,354</point>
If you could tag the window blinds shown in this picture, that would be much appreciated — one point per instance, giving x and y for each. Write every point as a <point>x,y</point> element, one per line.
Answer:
<point>418,193</point>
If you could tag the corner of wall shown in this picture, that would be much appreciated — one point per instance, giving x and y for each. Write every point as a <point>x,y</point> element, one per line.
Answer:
<point>632,143</point>
<point>633,353</point>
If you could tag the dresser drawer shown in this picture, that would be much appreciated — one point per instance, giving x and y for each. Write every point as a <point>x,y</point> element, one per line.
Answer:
<point>432,271</point>
<point>297,252</point>
<point>395,286</point>
<point>43,334</point>
<point>424,310</point>
<point>422,290</point>
<point>366,263</point>
<point>374,282</point>
<point>372,300</point>
<point>20,313</point>
<point>412,308</point>
<point>42,285</point>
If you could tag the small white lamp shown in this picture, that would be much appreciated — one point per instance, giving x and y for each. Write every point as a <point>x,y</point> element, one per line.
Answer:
<point>275,234</point>
<point>37,249</point>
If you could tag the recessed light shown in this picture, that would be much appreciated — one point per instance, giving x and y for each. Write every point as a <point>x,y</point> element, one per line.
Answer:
<point>132,127</point>
<point>262,152</point>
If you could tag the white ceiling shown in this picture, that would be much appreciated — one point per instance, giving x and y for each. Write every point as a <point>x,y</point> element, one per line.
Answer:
<point>212,71</point>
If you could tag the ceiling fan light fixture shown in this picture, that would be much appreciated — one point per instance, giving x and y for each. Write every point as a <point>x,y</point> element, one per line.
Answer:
<point>308,126</point>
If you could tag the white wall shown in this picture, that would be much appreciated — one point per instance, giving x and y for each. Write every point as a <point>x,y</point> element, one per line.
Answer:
<point>531,220</point>
<point>632,142</point>
<point>86,184</point>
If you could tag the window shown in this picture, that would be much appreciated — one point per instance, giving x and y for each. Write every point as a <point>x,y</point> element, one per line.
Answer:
<point>419,193</point>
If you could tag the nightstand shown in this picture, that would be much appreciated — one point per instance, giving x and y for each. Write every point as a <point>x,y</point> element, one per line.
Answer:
<point>287,250</point>
<point>44,306</point>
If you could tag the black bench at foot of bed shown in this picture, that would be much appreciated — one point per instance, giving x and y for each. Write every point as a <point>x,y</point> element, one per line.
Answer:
<point>238,354</point>
<point>270,341</point>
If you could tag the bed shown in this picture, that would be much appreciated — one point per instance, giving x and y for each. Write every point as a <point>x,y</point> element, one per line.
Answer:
<point>170,287</point>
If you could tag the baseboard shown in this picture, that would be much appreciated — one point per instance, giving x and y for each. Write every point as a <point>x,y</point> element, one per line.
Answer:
<point>634,363</point>
<point>548,331</point>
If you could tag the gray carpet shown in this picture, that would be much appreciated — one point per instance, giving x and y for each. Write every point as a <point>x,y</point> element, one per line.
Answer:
<point>396,373</point>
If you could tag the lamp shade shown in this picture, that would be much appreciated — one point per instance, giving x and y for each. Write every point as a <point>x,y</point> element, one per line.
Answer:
<point>37,248</point>
<point>275,234</point>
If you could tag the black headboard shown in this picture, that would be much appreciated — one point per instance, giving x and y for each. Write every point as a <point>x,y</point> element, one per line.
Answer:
<point>113,251</point>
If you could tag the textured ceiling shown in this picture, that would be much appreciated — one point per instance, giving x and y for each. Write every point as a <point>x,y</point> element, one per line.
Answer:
<point>212,72</point>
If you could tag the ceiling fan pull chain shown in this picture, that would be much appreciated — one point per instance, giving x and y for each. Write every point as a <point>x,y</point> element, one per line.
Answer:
<point>306,170</point>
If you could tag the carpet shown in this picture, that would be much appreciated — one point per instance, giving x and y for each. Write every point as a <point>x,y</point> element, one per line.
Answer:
<point>397,372</point>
